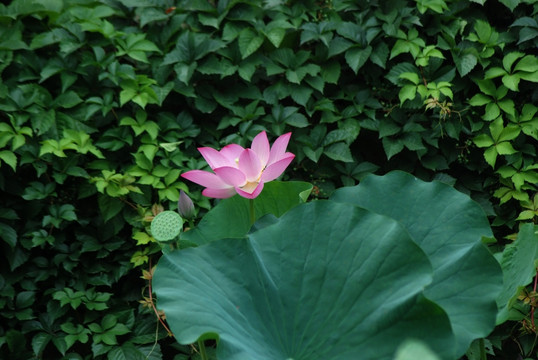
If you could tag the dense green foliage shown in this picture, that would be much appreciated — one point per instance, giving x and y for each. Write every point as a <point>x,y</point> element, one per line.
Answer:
<point>103,103</point>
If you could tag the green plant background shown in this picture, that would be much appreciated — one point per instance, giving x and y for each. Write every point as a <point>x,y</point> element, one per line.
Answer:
<point>103,104</point>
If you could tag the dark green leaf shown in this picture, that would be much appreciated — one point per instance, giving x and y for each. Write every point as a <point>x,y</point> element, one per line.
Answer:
<point>461,264</point>
<point>277,295</point>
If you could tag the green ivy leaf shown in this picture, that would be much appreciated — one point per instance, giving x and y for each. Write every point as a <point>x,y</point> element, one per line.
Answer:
<point>408,92</point>
<point>528,63</point>
<point>465,63</point>
<point>339,151</point>
<point>511,4</point>
<point>511,81</point>
<point>492,112</point>
<point>392,146</point>
<point>357,57</point>
<point>39,342</point>
<point>9,158</point>
<point>249,41</point>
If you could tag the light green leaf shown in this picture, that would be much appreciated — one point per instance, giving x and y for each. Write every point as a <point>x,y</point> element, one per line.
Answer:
<point>479,100</point>
<point>494,72</point>
<point>505,148</point>
<point>529,63</point>
<point>408,92</point>
<point>509,133</point>
<point>9,158</point>
<point>492,112</point>
<point>529,76</point>
<point>487,87</point>
<point>491,156</point>
<point>508,106</point>
<point>411,76</point>
<point>511,81</point>
<point>509,60</point>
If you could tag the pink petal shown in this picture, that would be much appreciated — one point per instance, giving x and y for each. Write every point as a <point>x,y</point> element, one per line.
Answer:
<point>252,195</point>
<point>219,193</point>
<point>250,165</point>
<point>206,179</point>
<point>214,158</point>
<point>231,153</point>
<point>276,169</point>
<point>279,148</point>
<point>260,145</point>
<point>231,176</point>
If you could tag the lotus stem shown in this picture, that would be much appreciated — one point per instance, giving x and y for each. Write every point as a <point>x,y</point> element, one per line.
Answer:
<point>201,348</point>
<point>482,346</point>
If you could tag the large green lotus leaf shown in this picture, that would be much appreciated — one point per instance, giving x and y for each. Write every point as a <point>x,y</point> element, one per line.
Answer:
<point>449,227</point>
<point>519,268</point>
<point>230,218</point>
<point>327,281</point>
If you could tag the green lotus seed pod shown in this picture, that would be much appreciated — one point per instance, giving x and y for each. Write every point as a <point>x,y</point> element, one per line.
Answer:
<point>166,226</point>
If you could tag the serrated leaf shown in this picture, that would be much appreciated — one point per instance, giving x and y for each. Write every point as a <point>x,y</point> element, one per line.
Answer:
<point>529,63</point>
<point>487,87</point>
<point>465,63</point>
<point>508,106</point>
<point>511,4</point>
<point>39,342</point>
<point>338,45</point>
<point>509,133</point>
<point>129,351</point>
<point>494,72</point>
<point>301,94</point>
<point>479,100</point>
<point>509,60</point>
<point>339,151</point>
<point>529,76</point>
<point>492,112</point>
<point>8,234</point>
<point>491,156</point>
<point>392,146</point>
<point>483,140</point>
<point>511,81</point>
<point>380,55</point>
<point>518,263</point>
<point>331,72</point>
<point>249,41</point>
<point>505,148</point>
<point>276,36</point>
<point>9,158</point>
<point>411,76</point>
<point>357,57</point>
<point>408,92</point>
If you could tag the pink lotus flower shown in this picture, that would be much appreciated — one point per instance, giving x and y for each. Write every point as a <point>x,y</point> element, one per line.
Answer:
<point>242,171</point>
